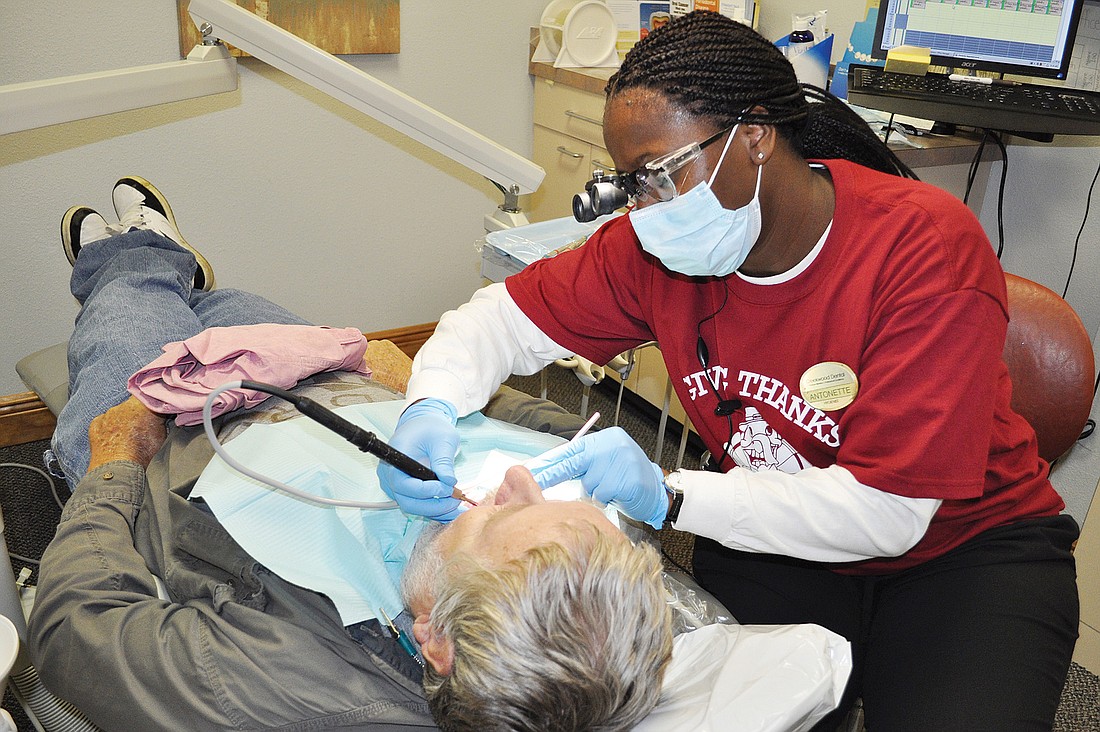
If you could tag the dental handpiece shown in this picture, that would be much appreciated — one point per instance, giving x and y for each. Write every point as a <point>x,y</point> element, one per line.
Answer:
<point>363,439</point>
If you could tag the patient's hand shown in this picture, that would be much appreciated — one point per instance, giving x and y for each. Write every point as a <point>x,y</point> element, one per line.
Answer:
<point>129,431</point>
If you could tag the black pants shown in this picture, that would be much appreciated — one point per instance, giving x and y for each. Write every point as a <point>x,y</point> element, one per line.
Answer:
<point>978,639</point>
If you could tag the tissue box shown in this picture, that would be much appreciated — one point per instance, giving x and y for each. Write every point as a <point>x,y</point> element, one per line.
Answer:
<point>812,65</point>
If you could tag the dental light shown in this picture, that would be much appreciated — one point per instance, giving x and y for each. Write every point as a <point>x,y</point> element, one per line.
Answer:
<point>208,69</point>
<point>512,174</point>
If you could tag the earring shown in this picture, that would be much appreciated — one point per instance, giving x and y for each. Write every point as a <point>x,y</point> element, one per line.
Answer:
<point>760,156</point>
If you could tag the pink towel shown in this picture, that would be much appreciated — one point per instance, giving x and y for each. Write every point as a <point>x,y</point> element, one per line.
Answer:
<point>179,381</point>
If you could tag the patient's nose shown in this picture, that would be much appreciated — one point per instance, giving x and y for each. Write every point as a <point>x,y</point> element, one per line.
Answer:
<point>519,487</point>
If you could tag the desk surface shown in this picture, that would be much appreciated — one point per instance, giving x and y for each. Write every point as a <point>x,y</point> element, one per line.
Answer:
<point>930,150</point>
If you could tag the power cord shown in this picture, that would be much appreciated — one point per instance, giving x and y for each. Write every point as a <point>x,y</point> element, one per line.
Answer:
<point>673,562</point>
<point>996,137</point>
<point>972,175</point>
<point>53,490</point>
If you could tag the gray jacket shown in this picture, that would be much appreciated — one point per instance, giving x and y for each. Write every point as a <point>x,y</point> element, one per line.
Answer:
<point>236,647</point>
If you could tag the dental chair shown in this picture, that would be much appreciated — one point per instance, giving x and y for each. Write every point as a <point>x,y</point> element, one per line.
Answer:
<point>1047,350</point>
<point>728,677</point>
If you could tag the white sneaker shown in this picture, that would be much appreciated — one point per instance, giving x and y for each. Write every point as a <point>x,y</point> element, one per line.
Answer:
<point>140,205</point>
<point>81,226</point>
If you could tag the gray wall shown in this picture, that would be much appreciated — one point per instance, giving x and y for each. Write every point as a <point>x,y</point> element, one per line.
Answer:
<point>296,197</point>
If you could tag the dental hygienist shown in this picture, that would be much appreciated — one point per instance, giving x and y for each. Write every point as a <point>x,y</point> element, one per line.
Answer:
<point>834,331</point>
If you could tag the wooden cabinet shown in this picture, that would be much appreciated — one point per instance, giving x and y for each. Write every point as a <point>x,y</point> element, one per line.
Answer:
<point>568,144</point>
<point>1087,652</point>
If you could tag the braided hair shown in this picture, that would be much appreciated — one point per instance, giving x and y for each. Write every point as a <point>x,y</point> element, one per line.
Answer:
<point>718,68</point>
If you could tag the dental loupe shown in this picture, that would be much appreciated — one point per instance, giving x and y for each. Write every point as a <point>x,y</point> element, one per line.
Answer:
<point>602,195</point>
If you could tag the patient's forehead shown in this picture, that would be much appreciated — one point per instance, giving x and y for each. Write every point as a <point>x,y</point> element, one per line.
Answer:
<point>500,533</point>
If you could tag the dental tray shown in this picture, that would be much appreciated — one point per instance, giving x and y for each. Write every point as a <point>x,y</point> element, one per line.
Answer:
<point>508,251</point>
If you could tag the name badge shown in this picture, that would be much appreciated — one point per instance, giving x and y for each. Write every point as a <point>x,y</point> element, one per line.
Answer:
<point>829,386</point>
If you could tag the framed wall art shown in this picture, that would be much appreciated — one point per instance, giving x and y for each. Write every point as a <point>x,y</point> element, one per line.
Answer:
<point>336,26</point>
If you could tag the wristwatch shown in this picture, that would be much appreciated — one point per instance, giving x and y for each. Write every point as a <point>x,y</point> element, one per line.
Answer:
<point>674,488</point>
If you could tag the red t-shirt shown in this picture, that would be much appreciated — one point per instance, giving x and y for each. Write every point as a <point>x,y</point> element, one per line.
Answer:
<point>906,292</point>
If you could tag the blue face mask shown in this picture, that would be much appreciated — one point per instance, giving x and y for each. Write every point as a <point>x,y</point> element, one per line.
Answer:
<point>694,235</point>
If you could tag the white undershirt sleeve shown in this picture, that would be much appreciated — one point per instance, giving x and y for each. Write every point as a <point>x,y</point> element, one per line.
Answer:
<point>476,347</point>
<point>819,514</point>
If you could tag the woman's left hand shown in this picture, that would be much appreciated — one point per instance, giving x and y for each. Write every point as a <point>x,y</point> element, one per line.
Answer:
<point>613,470</point>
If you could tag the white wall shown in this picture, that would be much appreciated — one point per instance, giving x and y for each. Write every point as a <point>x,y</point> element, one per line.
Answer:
<point>296,197</point>
<point>287,192</point>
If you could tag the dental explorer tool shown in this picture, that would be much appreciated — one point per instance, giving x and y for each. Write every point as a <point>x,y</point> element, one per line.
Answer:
<point>553,452</point>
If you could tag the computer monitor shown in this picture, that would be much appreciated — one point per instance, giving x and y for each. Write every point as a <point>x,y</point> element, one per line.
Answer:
<point>1029,37</point>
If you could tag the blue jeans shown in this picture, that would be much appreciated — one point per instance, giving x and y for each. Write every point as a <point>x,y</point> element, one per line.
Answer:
<point>136,294</point>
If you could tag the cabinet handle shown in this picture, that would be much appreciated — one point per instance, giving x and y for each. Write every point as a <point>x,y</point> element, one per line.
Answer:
<point>570,153</point>
<point>606,167</point>
<point>583,118</point>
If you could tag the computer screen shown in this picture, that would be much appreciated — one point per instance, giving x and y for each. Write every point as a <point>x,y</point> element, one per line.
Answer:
<point>1030,37</point>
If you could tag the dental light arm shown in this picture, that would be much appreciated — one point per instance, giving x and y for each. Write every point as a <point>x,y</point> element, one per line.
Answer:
<point>225,21</point>
<point>208,69</point>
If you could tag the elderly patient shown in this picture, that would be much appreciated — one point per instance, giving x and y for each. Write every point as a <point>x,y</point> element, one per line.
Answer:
<point>528,614</point>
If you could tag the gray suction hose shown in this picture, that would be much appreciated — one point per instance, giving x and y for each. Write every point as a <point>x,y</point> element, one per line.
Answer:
<point>47,711</point>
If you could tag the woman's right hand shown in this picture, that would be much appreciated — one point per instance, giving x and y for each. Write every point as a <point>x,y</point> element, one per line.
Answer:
<point>425,432</point>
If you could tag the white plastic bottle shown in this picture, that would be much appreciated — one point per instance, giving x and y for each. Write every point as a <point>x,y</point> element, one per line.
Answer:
<point>801,38</point>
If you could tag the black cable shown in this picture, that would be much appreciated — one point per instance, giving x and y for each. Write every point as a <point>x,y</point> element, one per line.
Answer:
<point>673,562</point>
<point>44,474</point>
<point>726,407</point>
<point>996,137</point>
<point>1077,241</point>
<point>363,439</point>
<point>886,137</point>
<point>974,166</point>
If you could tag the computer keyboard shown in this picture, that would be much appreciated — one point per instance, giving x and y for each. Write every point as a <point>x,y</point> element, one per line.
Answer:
<point>1007,106</point>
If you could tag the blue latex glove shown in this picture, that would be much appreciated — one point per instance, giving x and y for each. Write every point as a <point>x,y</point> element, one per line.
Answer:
<point>426,433</point>
<point>613,470</point>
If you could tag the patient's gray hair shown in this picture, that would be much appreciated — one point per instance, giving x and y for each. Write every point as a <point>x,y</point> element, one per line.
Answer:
<point>571,635</point>
<point>424,576</point>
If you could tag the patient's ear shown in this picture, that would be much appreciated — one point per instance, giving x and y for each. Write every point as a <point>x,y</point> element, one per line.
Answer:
<point>434,646</point>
